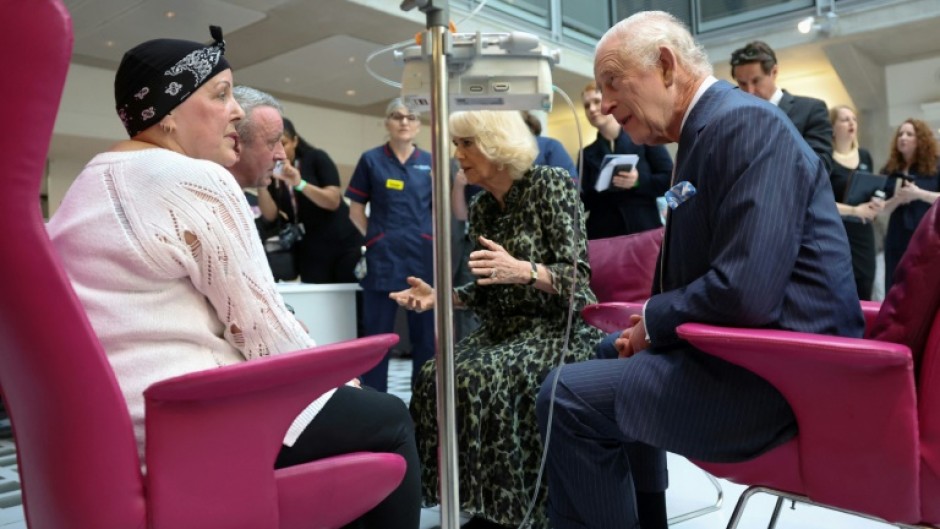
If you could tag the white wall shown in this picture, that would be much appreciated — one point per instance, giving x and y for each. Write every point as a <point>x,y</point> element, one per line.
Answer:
<point>906,96</point>
<point>87,124</point>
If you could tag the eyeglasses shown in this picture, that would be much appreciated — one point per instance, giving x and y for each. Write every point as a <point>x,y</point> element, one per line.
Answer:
<point>395,116</point>
<point>749,55</point>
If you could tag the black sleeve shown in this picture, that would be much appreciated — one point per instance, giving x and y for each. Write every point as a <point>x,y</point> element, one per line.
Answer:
<point>317,168</point>
<point>656,183</point>
<point>818,132</point>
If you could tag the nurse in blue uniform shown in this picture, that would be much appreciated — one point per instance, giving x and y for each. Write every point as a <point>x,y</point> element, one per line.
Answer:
<point>394,179</point>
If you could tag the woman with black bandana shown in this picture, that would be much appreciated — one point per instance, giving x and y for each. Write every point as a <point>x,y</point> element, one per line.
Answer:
<point>161,248</point>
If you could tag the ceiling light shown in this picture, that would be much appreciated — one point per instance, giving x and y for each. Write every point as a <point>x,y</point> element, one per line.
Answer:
<point>350,93</point>
<point>823,24</point>
<point>109,43</point>
<point>805,25</point>
<point>352,59</point>
<point>287,79</point>
<point>170,14</point>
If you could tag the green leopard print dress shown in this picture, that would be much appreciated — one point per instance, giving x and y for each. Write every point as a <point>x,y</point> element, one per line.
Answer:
<point>500,366</point>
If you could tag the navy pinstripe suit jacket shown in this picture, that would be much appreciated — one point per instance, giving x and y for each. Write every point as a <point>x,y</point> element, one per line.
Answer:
<point>761,243</point>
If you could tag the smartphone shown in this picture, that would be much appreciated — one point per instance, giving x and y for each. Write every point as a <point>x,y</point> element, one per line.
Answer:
<point>623,168</point>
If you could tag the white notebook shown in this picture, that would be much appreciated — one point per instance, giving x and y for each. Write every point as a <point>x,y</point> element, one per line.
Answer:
<point>607,168</point>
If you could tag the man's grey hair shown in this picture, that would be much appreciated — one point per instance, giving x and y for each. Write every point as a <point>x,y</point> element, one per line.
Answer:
<point>640,36</point>
<point>249,99</point>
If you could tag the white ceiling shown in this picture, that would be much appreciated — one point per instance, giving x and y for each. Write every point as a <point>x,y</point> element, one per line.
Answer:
<point>314,51</point>
<point>306,51</point>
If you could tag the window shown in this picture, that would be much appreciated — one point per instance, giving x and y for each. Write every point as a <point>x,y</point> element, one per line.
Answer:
<point>714,14</point>
<point>590,18</point>
<point>532,11</point>
<point>680,9</point>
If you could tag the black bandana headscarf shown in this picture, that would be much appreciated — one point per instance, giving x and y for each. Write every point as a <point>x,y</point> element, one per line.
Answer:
<point>158,75</point>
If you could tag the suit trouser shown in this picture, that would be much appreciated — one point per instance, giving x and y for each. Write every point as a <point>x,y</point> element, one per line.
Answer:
<point>647,463</point>
<point>378,314</point>
<point>612,419</point>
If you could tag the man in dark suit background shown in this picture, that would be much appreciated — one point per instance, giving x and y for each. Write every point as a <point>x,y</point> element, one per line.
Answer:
<point>758,244</point>
<point>629,204</point>
<point>754,68</point>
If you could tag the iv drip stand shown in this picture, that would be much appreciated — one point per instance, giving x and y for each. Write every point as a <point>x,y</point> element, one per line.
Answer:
<point>437,24</point>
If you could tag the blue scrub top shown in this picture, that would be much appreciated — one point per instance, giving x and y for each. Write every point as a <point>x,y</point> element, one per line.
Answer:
<point>553,153</point>
<point>399,236</point>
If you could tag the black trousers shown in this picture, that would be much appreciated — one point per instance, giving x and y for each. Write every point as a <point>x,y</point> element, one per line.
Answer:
<point>355,420</point>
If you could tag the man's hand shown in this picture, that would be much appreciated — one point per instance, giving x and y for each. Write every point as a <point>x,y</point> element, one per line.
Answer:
<point>633,339</point>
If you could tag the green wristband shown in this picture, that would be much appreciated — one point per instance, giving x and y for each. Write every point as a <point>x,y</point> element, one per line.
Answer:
<point>300,187</point>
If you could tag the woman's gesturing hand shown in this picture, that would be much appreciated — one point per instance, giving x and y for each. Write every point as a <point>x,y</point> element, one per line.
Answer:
<point>494,265</point>
<point>419,298</point>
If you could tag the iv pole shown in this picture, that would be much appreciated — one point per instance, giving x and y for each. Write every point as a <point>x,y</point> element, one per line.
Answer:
<point>438,37</point>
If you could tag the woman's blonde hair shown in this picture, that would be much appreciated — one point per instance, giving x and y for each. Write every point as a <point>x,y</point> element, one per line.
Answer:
<point>834,116</point>
<point>502,137</point>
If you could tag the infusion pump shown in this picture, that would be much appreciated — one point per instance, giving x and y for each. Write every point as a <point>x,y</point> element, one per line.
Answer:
<point>487,71</point>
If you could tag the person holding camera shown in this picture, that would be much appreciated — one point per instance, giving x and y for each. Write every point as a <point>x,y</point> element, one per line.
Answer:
<point>629,204</point>
<point>331,243</point>
<point>912,188</point>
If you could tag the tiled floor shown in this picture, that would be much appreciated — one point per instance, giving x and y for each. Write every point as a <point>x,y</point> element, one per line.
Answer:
<point>689,490</point>
<point>11,508</point>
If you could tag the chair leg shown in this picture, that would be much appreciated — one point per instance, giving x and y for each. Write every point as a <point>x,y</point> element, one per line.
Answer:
<point>738,512</point>
<point>741,505</point>
<point>776,514</point>
<point>704,510</point>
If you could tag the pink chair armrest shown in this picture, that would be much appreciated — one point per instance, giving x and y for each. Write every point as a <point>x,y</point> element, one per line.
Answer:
<point>329,490</point>
<point>213,436</point>
<point>870,310</point>
<point>855,404</point>
<point>328,366</point>
<point>612,315</point>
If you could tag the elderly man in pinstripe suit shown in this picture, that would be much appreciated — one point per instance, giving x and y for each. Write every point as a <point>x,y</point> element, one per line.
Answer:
<point>758,243</point>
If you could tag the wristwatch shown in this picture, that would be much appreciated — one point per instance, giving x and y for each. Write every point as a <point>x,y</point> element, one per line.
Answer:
<point>535,274</point>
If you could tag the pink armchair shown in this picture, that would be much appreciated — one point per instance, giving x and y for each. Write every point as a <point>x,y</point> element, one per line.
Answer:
<point>622,270</point>
<point>212,436</point>
<point>868,409</point>
<point>622,267</point>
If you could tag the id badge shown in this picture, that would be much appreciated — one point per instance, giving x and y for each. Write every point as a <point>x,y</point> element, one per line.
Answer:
<point>397,185</point>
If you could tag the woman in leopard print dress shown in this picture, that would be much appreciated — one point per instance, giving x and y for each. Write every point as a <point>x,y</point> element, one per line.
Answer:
<point>524,227</point>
